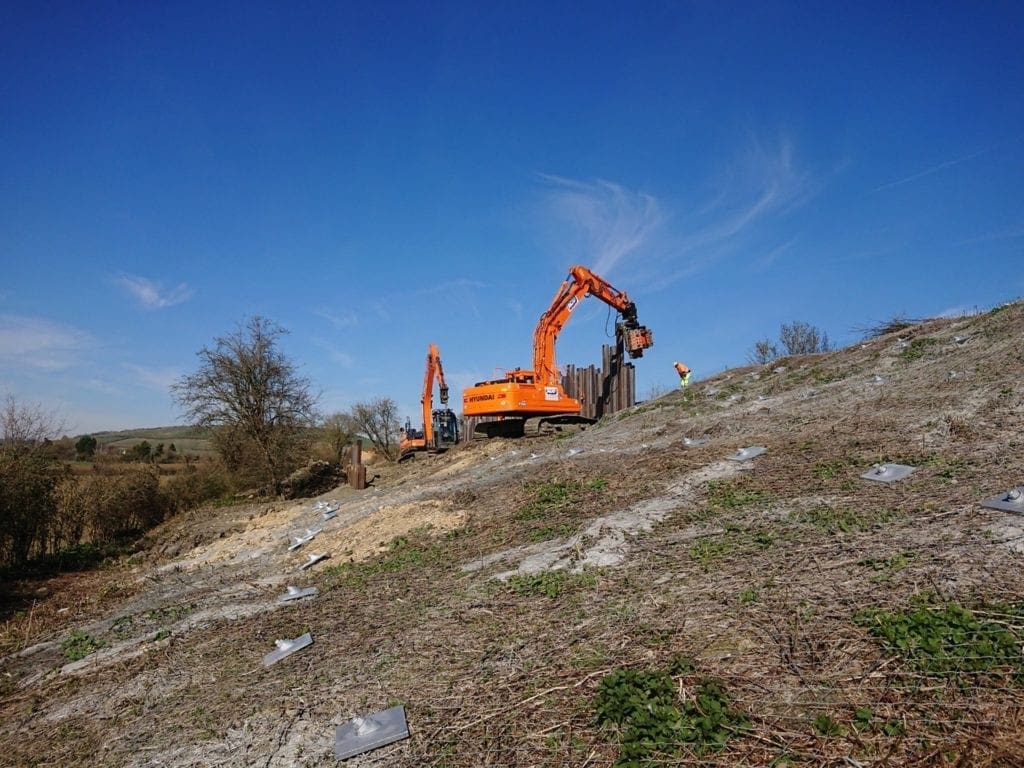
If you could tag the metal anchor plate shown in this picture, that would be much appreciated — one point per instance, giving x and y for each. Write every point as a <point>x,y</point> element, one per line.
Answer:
<point>1011,501</point>
<point>298,541</point>
<point>313,560</point>
<point>297,593</point>
<point>287,648</point>
<point>361,734</point>
<point>742,454</point>
<point>887,473</point>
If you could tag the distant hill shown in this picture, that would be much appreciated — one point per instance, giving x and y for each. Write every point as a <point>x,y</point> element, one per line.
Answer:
<point>195,441</point>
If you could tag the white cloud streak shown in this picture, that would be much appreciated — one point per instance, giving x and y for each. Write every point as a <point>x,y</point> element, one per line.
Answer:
<point>40,344</point>
<point>613,222</point>
<point>159,379</point>
<point>152,295</point>
<point>611,226</point>
<point>929,171</point>
<point>347,319</point>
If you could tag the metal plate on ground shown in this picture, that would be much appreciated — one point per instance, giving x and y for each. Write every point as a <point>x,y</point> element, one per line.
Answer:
<point>887,473</point>
<point>298,541</point>
<point>742,454</point>
<point>695,442</point>
<point>287,648</point>
<point>313,560</point>
<point>361,734</point>
<point>1011,501</point>
<point>297,593</point>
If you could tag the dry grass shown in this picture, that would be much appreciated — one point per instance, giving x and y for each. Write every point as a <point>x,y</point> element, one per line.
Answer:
<point>759,579</point>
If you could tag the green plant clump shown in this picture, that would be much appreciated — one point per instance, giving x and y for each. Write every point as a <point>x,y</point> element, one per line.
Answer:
<point>549,583</point>
<point>917,348</point>
<point>654,723</point>
<point>833,521</point>
<point>950,640</point>
<point>730,495</point>
<point>79,644</point>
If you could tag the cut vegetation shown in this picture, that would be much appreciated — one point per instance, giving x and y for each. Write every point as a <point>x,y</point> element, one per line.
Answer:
<point>612,598</point>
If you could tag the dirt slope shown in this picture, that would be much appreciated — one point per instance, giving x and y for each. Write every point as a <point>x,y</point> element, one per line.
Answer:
<point>490,590</point>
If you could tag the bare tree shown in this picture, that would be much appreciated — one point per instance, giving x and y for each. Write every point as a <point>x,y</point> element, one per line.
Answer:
<point>26,426</point>
<point>800,338</point>
<point>764,352</point>
<point>28,476</point>
<point>378,420</point>
<point>246,387</point>
<point>339,431</point>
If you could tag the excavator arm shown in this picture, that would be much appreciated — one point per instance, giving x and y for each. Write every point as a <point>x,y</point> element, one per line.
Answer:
<point>434,368</point>
<point>579,284</point>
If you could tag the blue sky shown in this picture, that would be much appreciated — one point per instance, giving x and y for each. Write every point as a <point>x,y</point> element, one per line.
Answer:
<point>375,177</point>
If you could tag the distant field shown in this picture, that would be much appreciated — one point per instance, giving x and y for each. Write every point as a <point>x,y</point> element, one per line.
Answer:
<point>187,440</point>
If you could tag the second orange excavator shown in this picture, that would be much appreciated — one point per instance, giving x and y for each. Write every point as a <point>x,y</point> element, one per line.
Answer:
<point>525,394</point>
<point>441,426</point>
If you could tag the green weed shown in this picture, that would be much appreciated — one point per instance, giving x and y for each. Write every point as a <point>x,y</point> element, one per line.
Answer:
<point>549,498</point>
<point>826,470</point>
<point>828,727</point>
<point>889,566</point>
<point>550,583</point>
<point>728,494</point>
<point>79,644</point>
<point>402,553</point>
<point>943,640</point>
<point>652,721</point>
<point>707,550</point>
<point>833,521</point>
<point>917,348</point>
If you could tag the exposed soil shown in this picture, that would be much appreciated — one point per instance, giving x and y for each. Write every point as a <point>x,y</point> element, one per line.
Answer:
<point>491,588</point>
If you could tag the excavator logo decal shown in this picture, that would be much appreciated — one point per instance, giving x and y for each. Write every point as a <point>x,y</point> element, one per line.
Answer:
<point>550,393</point>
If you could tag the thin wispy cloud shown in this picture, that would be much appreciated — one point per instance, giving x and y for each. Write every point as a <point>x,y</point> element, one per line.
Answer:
<point>994,236</point>
<point>159,379</point>
<point>932,170</point>
<point>347,319</point>
<point>457,293</point>
<point>765,262</point>
<point>608,226</point>
<point>611,221</point>
<point>40,344</point>
<point>152,295</point>
<point>335,354</point>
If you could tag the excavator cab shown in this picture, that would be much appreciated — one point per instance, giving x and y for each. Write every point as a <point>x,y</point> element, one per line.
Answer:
<point>446,427</point>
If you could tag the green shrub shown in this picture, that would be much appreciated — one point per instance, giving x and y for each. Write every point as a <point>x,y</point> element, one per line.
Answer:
<point>917,348</point>
<point>944,640</point>
<point>652,721</point>
<point>196,485</point>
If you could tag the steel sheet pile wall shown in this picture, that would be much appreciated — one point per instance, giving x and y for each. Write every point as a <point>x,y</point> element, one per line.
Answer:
<point>604,391</point>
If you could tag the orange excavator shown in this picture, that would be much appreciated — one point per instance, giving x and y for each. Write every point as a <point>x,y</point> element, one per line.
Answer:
<point>441,426</point>
<point>524,394</point>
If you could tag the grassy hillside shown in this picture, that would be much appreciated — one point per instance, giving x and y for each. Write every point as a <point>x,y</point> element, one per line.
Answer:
<point>187,440</point>
<point>624,596</point>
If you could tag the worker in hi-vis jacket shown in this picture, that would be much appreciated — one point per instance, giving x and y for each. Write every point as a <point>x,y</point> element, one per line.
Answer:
<point>684,373</point>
